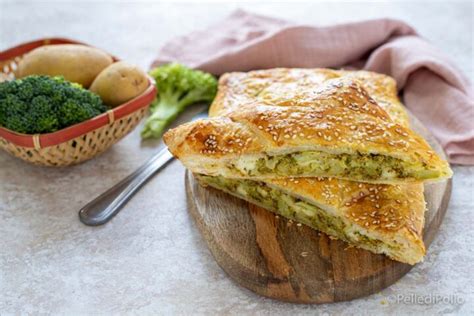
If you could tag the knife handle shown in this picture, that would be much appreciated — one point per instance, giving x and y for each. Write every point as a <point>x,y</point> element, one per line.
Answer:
<point>100,210</point>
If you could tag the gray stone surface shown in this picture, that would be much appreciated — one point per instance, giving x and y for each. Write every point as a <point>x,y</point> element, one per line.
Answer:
<point>151,257</point>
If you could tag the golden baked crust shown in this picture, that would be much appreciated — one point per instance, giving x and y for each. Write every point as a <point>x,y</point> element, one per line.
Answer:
<point>337,116</point>
<point>276,86</point>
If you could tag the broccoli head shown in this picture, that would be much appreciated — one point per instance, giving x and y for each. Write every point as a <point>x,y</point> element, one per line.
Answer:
<point>178,86</point>
<point>42,104</point>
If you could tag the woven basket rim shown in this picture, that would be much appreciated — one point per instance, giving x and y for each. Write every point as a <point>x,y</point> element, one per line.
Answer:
<point>76,130</point>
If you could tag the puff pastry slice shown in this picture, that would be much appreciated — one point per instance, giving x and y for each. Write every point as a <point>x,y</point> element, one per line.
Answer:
<point>332,130</point>
<point>384,219</point>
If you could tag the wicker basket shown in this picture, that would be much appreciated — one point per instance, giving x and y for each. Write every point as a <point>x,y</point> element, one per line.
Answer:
<point>76,143</point>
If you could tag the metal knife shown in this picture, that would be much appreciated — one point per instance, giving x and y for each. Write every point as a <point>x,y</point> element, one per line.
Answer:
<point>100,210</point>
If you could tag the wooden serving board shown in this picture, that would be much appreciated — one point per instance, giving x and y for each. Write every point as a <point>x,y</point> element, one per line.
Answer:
<point>277,258</point>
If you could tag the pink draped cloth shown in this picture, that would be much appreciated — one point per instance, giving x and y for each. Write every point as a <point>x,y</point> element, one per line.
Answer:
<point>433,88</point>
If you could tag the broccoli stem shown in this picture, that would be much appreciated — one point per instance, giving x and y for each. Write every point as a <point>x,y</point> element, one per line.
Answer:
<point>164,112</point>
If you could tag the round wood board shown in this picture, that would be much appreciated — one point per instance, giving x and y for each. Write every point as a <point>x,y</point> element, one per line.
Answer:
<point>278,259</point>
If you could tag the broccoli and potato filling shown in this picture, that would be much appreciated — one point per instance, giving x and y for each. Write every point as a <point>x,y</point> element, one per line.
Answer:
<point>293,208</point>
<point>315,163</point>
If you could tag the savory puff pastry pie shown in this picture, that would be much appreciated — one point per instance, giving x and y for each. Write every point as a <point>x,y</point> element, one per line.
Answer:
<point>305,123</point>
<point>381,218</point>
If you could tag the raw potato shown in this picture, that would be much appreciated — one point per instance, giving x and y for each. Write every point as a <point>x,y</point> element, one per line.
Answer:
<point>77,63</point>
<point>119,83</point>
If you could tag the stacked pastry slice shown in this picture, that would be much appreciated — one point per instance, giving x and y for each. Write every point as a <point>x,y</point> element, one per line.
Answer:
<point>330,149</point>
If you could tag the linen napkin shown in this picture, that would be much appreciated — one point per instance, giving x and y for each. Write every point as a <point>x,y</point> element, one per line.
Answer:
<point>432,87</point>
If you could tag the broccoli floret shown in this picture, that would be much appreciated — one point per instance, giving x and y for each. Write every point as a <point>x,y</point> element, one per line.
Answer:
<point>42,104</point>
<point>178,86</point>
